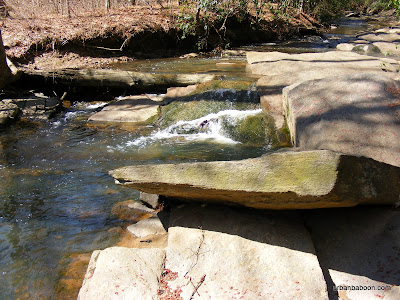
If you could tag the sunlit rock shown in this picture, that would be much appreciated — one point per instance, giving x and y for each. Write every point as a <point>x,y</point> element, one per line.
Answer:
<point>123,273</point>
<point>150,226</point>
<point>282,180</point>
<point>135,109</point>
<point>355,114</point>
<point>223,253</point>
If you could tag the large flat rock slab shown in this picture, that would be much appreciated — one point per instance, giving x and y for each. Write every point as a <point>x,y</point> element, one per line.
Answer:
<point>355,114</point>
<point>359,250</point>
<point>282,69</point>
<point>282,180</point>
<point>123,273</point>
<point>221,253</point>
<point>134,109</point>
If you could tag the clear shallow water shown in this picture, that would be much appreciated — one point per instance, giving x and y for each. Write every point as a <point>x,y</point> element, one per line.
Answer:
<point>56,194</point>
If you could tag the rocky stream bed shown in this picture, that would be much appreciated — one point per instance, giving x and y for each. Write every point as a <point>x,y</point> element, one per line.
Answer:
<point>305,207</point>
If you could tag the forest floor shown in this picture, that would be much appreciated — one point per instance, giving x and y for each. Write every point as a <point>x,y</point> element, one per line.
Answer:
<point>98,39</point>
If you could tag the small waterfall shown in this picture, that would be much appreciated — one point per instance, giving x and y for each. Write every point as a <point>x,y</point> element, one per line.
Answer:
<point>212,127</point>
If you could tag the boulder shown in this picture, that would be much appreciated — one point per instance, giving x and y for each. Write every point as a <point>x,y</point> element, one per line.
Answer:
<point>131,210</point>
<point>355,114</point>
<point>150,226</point>
<point>282,69</point>
<point>135,109</point>
<point>8,111</point>
<point>123,273</point>
<point>223,253</point>
<point>150,199</point>
<point>359,251</point>
<point>282,180</point>
<point>38,107</point>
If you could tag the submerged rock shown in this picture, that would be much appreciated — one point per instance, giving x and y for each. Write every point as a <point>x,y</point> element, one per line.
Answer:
<point>282,180</point>
<point>354,114</point>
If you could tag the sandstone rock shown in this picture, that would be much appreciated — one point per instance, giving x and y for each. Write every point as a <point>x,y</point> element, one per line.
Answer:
<point>360,248</point>
<point>239,254</point>
<point>150,199</point>
<point>123,273</point>
<point>129,109</point>
<point>388,48</point>
<point>8,111</point>
<point>282,69</point>
<point>282,180</point>
<point>177,92</point>
<point>150,226</point>
<point>381,37</point>
<point>131,210</point>
<point>38,107</point>
<point>345,47</point>
<point>355,114</point>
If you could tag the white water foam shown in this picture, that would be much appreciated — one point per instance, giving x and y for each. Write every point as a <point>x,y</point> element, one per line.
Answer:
<point>207,128</point>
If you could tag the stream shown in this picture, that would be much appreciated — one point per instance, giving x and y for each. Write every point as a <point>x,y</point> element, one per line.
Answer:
<point>55,191</point>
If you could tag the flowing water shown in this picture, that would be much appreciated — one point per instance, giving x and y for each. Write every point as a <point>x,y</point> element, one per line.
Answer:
<point>56,194</point>
<point>55,191</point>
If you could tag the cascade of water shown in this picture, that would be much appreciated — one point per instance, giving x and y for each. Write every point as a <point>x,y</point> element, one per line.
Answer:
<point>210,127</point>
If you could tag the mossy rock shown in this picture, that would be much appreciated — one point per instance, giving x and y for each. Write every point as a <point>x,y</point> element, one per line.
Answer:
<point>250,130</point>
<point>241,85</point>
<point>197,108</point>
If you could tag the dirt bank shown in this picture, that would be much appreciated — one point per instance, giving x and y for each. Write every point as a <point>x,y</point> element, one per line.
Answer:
<point>94,40</point>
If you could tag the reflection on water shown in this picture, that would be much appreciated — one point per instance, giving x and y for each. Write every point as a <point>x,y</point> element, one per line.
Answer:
<point>56,194</point>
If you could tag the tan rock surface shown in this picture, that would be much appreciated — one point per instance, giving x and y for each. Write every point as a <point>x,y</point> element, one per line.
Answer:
<point>282,180</point>
<point>241,255</point>
<point>356,114</point>
<point>123,273</point>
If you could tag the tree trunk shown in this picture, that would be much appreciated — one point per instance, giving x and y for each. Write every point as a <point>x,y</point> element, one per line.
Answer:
<point>117,78</point>
<point>5,73</point>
